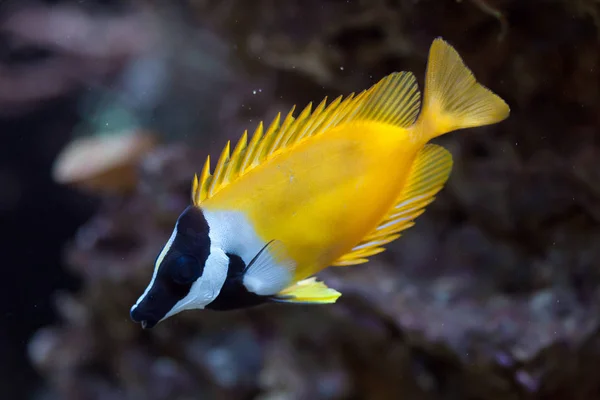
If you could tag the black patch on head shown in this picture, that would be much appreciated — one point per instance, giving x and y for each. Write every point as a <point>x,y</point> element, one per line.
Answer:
<point>233,294</point>
<point>180,268</point>
<point>193,228</point>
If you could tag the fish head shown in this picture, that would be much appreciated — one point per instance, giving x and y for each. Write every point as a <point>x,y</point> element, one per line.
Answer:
<point>187,272</point>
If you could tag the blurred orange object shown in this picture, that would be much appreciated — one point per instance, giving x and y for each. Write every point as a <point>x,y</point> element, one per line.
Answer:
<point>106,163</point>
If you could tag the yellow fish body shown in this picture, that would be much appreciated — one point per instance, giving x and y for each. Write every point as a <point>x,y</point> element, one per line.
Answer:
<point>330,187</point>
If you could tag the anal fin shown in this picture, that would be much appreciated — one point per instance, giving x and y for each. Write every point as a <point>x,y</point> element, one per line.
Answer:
<point>308,291</point>
<point>427,177</point>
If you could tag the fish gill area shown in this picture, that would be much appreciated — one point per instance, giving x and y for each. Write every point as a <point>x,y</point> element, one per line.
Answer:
<point>494,294</point>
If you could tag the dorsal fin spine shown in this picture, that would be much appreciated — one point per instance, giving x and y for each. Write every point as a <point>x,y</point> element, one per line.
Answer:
<point>204,181</point>
<point>194,189</point>
<point>346,110</point>
<point>278,136</point>
<point>329,114</point>
<point>235,160</point>
<point>295,127</point>
<point>341,109</point>
<point>251,149</point>
<point>218,174</point>
<point>289,119</point>
<point>265,143</point>
<point>312,122</point>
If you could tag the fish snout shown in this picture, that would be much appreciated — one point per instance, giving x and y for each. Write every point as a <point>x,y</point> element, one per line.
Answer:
<point>147,321</point>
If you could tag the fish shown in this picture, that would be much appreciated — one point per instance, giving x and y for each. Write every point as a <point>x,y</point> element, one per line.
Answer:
<point>330,187</point>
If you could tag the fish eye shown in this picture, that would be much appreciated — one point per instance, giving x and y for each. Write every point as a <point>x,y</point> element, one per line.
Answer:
<point>185,270</point>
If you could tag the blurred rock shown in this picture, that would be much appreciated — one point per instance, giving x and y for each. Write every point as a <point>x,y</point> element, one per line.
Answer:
<point>103,163</point>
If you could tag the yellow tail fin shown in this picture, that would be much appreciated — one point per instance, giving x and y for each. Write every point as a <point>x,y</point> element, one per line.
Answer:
<point>453,98</point>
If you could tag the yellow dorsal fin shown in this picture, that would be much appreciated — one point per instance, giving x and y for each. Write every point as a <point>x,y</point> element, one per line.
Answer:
<point>233,167</point>
<point>288,138</point>
<point>427,177</point>
<point>395,100</point>
<point>248,155</point>
<point>308,291</point>
<point>265,144</point>
<point>194,188</point>
<point>219,174</point>
<point>200,188</point>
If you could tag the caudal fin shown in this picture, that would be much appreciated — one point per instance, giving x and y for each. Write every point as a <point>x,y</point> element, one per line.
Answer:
<point>453,98</point>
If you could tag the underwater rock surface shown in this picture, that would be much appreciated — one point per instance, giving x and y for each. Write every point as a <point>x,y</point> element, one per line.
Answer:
<point>493,294</point>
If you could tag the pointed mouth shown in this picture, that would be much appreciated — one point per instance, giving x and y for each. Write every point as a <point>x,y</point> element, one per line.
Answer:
<point>147,321</point>
<point>147,324</point>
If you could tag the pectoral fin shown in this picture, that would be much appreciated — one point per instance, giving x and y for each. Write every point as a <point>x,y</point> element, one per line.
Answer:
<point>270,270</point>
<point>308,291</point>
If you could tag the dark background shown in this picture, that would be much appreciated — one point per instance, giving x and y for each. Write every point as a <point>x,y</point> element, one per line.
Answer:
<point>37,218</point>
<point>492,295</point>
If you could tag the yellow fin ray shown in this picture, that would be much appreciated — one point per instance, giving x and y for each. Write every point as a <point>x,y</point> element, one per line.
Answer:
<point>371,251</point>
<point>200,191</point>
<point>393,100</point>
<point>312,123</point>
<point>219,174</point>
<point>453,98</point>
<point>427,177</point>
<point>395,225</point>
<point>233,166</point>
<point>248,156</point>
<point>338,113</point>
<point>308,291</point>
<point>351,261</point>
<point>287,122</point>
<point>195,185</point>
<point>322,118</point>
<point>296,127</point>
<point>267,141</point>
